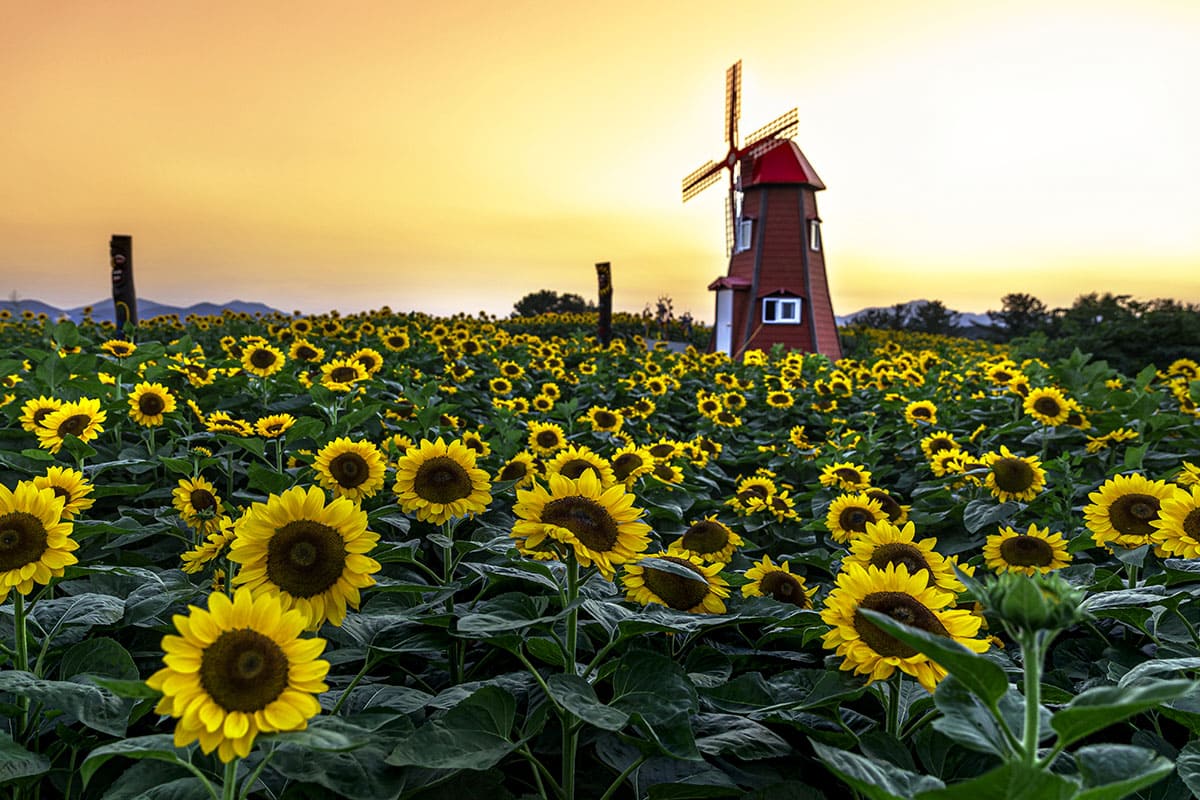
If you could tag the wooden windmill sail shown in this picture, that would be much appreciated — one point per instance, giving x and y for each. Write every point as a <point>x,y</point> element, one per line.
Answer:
<point>776,289</point>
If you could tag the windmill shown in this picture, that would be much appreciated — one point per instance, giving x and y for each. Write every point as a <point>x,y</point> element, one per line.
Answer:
<point>776,289</point>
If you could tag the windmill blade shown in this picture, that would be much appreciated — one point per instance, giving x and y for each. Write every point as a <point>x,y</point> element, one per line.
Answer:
<point>701,179</point>
<point>733,103</point>
<point>784,127</point>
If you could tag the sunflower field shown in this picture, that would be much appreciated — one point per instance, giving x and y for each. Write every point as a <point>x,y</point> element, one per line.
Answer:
<point>383,556</point>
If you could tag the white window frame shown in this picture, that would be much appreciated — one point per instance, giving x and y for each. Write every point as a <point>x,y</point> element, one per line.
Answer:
<point>782,310</point>
<point>814,235</point>
<point>743,233</point>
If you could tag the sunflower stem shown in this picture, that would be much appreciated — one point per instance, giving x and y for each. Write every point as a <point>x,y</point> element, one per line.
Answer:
<point>1133,575</point>
<point>229,783</point>
<point>570,733</point>
<point>616,784</point>
<point>893,705</point>
<point>454,653</point>
<point>21,659</point>
<point>1031,652</point>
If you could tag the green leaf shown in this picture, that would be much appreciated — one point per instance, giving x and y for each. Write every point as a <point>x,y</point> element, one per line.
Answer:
<point>159,746</point>
<point>37,455</point>
<point>579,697</point>
<point>133,689</point>
<point>966,720</point>
<point>1012,781</point>
<point>1114,771</point>
<point>653,689</point>
<point>96,708</point>
<point>1096,709</point>
<point>982,676</point>
<point>503,615</point>
<point>99,656</point>
<point>546,650</point>
<point>1123,598</point>
<point>267,480</point>
<point>731,735</point>
<point>986,513</point>
<point>305,428</point>
<point>68,619</point>
<point>472,735</point>
<point>877,780</point>
<point>1156,666</point>
<point>1188,764</point>
<point>79,449</point>
<point>17,762</point>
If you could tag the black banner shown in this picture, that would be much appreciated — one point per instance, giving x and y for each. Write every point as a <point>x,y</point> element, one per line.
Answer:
<point>604,327</point>
<point>120,251</point>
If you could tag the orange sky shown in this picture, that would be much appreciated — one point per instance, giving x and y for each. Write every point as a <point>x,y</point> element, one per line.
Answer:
<point>457,158</point>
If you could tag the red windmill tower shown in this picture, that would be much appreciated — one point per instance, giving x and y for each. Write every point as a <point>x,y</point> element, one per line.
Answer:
<point>776,290</point>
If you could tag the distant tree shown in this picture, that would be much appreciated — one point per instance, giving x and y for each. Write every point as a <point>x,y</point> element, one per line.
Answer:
<point>894,318</point>
<point>547,301</point>
<point>1020,315</point>
<point>934,317</point>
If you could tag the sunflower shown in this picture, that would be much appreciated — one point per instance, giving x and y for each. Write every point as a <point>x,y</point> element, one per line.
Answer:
<point>274,425</point>
<point>921,411</point>
<point>708,405</point>
<point>601,526</point>
<point>1013,477</point>
<point>197,502</point>
<point>81,419</point>
<point>574,460</point>
<point>1188,475</point>
<point>1047,405</point>
<point>35,540</point>
<point>350,469</point>
<point>546,438</point>
<point>709,540</point>
<point>119,348</point>
<point>304,350</point>
<point>884,543</point>
<point>846,475</point>
<point>937,442</point>
<point>224,422</point>
<point>340,374</point>
<point>1036,550</point>
<point>34,412</point>
<point>755,487</point>
<point>71,486</point>
<point>438,481</point>
<point>666,472</point>
<point>849,515</point>
<point>630,463</point>
<point>149,403</point>
<point>309,553</point>
<point>238,669</point>
<point>700,591</point>
<point>500,386</point>
<point>1124,509</point>
<point>474,441</point>
<point>395,340</point>
<point>780,398</point>
<point>777,582</point>
<point>779,505</point>
<point>511,370</point>
<point>866,649</point>
<point>262,360</point>
<point>521,468</point>
<point>1178,524</point>
<point>603,420</point>
<point>207,551</point>
<point>895,511</point>
<point>799,439</point>
<point>370,359</point>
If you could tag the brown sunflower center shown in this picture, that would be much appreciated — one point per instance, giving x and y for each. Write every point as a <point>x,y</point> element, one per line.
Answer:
<point>900,553</point>
<point>442,480</point>
<point>664,472</point>
<point>922,412</point>
<point>202,499</point>
<point>939,445</point>
<point>891,506</point>
<point>848,474</point>
<point>343,374</point>
<point>785,588</point>
<point>855,518</point>
<point>1013,475</point>
<point>1001,376</point>
<point>902,607</point>
<point>262,358</point>
<point>75,425</point>
<point>662,450</point>
<point>1026,551</point>
<point>605,419</point>
<point>243,670</point>
<point>1047,406</point>
<point>576,467</point>
<point>547,439</point>
<point>626,464</point>
<point>1191,524</point>
<point>41,414</point>
<point>514,471</point>
<point>706,536</point>
<point>151,405</point>
<point>349,470</point>
<point>752,492</point>
<point>1131,514</point>
<point>304,557</point>
<point>305,353</point>
<point>474,444</point>
<point>591,522</point>
<point>368,362</point>
<point>676,591</point>
<point>22,540</point>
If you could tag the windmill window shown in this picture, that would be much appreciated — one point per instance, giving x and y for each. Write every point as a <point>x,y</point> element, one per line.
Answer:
<point>781,310</point>
<point>745,229</point>
<point>814,235</point>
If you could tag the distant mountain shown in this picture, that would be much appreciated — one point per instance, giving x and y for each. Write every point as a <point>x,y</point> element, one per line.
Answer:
<point>964,320</point>
<point>103,309</point>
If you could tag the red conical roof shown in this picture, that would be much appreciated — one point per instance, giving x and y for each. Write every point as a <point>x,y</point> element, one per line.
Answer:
<point>783,164</point>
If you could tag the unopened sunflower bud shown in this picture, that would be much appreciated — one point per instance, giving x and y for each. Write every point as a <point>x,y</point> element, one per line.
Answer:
<point>1031,603</point>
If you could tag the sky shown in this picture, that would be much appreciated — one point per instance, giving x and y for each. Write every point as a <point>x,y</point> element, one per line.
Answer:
<point>456,156</point>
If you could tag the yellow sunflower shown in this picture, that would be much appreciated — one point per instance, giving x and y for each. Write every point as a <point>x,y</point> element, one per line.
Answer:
<point>198,503</point>
<point>709,540</point>
<point>938,442</point>
<point>81,418</point>
<point>756,487</point>
<point>630,463</point>
<point>274,425</point>
<point>884,543</point>
<point>781,398</point>
<point>921,411</point>
<point>1013,477</point>
<point>521,468</point>
<point>1123,510</point>
<point>1047,405</point>
<point>603,420</point>
<point>340,374</point>
<point>777,582</point>
<point>574,460</point>
<point>224,422</point>
<point>1036,550</point>
<point>238,669</point>
<point>846,475</point>
<point>780,505</point>
<point>35,540</point>
<point>71,486</point>
<point>350,469</point>
<point>310,553</point>
<point>370,358</point>
<point>546,438</point>
<point>701,591</point>
<point>207,551</point>
<point>1178,523</point>
<point>119,348</point>
<point>438,481</point>
<point>262,360</point>
<point>896,512</point>
<point>34,412</point>
<point>395,340</point>
<point>664,449</point>
<point>849,515</point>
<point>304,350</point>
<point>474,441</point>
<point>601,526</point>
<point>149,403</point>
<point>906,598</point>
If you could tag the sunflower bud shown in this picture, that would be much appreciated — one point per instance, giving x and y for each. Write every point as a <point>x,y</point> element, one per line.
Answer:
<point>1031,603</point>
